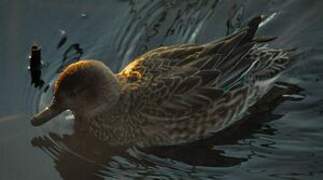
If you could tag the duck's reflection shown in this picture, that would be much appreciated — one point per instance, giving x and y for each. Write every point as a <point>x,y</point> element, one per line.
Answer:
<point>81,156</point>
<point>76,156</point>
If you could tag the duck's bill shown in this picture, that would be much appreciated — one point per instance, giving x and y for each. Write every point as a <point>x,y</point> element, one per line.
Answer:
<point>46,115</point>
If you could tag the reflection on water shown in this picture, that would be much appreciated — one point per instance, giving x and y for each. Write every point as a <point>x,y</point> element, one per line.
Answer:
<point>281,138</point>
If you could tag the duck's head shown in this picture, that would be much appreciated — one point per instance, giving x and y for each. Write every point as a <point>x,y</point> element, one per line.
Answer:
<point>86,88</point>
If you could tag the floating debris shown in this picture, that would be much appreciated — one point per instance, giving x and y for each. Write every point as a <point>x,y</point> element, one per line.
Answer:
<point>72,54</point>
<point>83,15</point>
<point>63,39</point>
<point>76,51</point>
<point>35,66</point>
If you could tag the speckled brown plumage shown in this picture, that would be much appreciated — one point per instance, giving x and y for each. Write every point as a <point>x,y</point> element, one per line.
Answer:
<point>184,92</point>
<point>181,93</point>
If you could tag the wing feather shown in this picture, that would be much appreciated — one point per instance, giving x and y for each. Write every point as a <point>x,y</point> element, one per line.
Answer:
<point>182,79</point>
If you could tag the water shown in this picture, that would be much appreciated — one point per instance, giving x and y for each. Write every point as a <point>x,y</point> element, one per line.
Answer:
<point>283,143</point>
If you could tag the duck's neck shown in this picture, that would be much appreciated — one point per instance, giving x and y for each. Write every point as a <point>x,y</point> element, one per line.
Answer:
<point>111,90</point>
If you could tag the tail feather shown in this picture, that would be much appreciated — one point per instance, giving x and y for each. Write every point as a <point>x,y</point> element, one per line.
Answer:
<point>269,62</point>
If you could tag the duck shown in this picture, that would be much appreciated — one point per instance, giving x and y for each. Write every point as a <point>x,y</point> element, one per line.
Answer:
<point>172,94</point>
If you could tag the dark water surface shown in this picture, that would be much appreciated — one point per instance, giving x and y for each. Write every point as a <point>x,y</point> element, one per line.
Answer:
<point>283,143</point>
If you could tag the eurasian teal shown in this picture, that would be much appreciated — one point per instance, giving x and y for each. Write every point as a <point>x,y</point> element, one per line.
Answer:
<point>169,95</point>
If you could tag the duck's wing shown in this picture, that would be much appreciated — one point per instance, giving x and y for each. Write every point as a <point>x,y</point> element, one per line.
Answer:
<point>198,89</point>
<point>225,55</point>
<point>175,81</point>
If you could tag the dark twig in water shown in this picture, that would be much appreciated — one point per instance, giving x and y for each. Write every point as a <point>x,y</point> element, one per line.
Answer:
<point>73,53</point>
<point>63,39</point>
<point>77,54</point>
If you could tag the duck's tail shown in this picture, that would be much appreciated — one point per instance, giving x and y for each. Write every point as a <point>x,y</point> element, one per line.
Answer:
<point>269,62</point>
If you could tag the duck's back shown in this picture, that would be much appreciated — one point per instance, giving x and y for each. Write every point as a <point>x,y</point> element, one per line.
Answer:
<point>183,92</point>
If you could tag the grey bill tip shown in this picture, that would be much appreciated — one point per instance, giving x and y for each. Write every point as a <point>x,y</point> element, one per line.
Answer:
<point>46,115</point>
